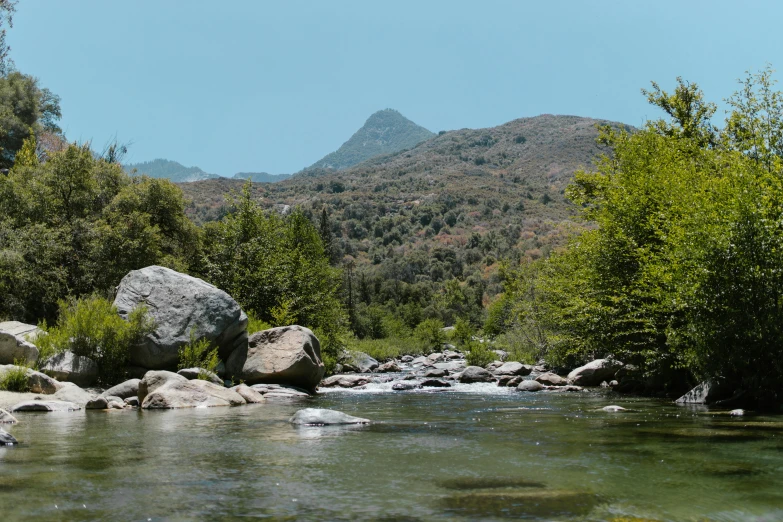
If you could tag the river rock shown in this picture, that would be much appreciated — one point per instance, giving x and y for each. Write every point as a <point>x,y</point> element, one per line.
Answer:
<point>434,383</point>
<point>436,373</point>
<point>734,413</point>
<point>129,388</point>
<point>405,385</point>
<point>436,358</point>
<point>250,395</point>
<point>420,361</point>
<point>530,386</point>
<point>284,355</point>
<point>181,306</point>
<point>551,379</point>
<point>322,417</point>
<point>509,380</point>
<point>155,379</point>
<point>133,402</point>
<point>117,404</point>
<point>37,382</point>
<point>68,367</point>
<point>46,406</point>
<point>595,372</point>
<point>388,367</point>
<point>614,408</point>
<point>344,381</point>
<point>475,374</point>
<point>6,439</point>
<point>7,418</point>
<point>97,403</point>
<point>70,392</point>
<point>359,362</point>
<point>195,373</point>
<point>705,393</point>
<point>15,342</point>
<point>451,366</point>
<point>280,391</point>
<point>406,358</point>
<point>190,394</point>
<point>513,369</point>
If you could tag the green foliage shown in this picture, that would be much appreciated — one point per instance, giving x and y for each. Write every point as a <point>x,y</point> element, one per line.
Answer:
<point>199,353</point>
<point>387,349</point>
<point>91,327</point>
<point>15,378</point>
<point>463,332</point>
<point>430,333</point>
<point>478,354</point>
<point>254,324</point>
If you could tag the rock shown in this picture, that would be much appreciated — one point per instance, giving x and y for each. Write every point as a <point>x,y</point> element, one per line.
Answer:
<point>436,373</point>
<point>132,402</point>
<point>435,358</point>
<point>595,372</point>
<point>454,356</point>
<point>46,406</point>
<point>613,408</point>
<point>604,384</point>
<point>69,392</point>
<point>502,355</point>
<point>551,379</point>
<point>405,385</point>
<point>409,377</point>
<point>181,306</point>
<point>475,374</point>
<point>434,383</point>
<point>420,361</point>
<point>406,358</point>
<point>129,388</point>
<point>513,369</point>
<point>98,403</point>
<point>155,379</point>
<point>117,404</point>
<point>190,394</point>
<point>321,417</point>
<point>613,384</point>
<point>279,391</point>
<point>69,367</point>
<point>389,367</point>
<point>705,393</point>
<point>509,380</point>
<point>6,439</point>
<point>451,366</point>
<point>7,418</point>
<point>530,386</point>
<point>250,395</point>
<point>37,382</point>
<point>220,369</point>
<point>195,373</point>
<point>359,362</point>
<point>569,388</point>
<point>284,355</point>
<point>494,365</point>
<point>15,343</point>
<point>733,413</point>
<point>344,381</point>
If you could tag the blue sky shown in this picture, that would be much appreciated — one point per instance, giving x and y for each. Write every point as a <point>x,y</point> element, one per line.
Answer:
<point>273,86</point>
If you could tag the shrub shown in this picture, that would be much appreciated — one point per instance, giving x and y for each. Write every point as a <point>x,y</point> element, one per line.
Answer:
<point>199,353</point>
<point>255,323</point>
<point>15,379</point>
<point>91,327</point>
<point>478,354</point>
<point>463,331</point>
<point>430,332</point>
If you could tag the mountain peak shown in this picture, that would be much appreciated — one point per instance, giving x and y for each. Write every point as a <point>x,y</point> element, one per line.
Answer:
<point>385,132</point>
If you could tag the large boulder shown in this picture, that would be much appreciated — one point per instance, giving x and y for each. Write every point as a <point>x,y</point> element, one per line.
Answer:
<point>175,393</point>
<point>322,417</point>
<point>475,374</point>
<point>15,342</point>
<point>551,379</point>
<point>706,393</point>
<point>47,406</point>
<point>200,373</point>
<point>37,382</point>
<point>344,381</point>
<point>358,362</point>
<point>530,386</point>
<point>250,395</point>
<point>181,306</point>
<point>155,379</point>
<point>280,391</point>
<point>68,367</point>
<point>594,373</point>
<point>388,367</point>
<point>6,439</point>
<point>284,355</point>
<point>129,388</point>
<point>513,369</point>
<point>69,392</point>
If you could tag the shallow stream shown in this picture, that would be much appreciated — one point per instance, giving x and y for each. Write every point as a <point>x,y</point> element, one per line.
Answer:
<point>467,453</point>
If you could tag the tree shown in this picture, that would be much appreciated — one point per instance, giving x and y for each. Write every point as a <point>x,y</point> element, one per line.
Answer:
<point>7,9</point>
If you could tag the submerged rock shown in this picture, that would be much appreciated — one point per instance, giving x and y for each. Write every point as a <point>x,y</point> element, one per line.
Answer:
<point>530,386</point>
<point>323,417</point>
<point>6,439</point>
<point>46,406</point>
<point>181,306</point>
<point>69,367</point>
<point>594,373</point>
<point>613,408</point>
<point>551,379</point>
<point>344,381</point>
<point>7,418</point>
<point>473,374</point>
<point>285,355</point>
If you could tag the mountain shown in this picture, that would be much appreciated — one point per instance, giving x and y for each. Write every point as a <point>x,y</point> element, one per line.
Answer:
<point>161,168</point>
<point>261,177</point>
<point>385,132</point>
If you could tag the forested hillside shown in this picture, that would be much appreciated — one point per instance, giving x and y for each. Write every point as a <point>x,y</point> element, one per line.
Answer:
<point>162,168</point>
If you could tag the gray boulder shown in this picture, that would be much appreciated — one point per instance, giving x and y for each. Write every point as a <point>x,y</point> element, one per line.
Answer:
<point>47,406</point>
<point>344,381</point>
<point>7,418</point>
<point>501,354</point>
<point>284,355</point>
<point>436,357</point>
<point>436,373</point>
<point>114,402</point>
<point>6,439</point>
<point>358,362</point>
<point>322,417</point>
<point>434,383</point>
<point>69,392</point>
<point>475,374</point>
<point>129,388</point>
<point>705,393</point>
<point>530,386</point>
<point>15,342</point>
<point>250,395</point>
<point>37,382</point>
<point>406,358</point>
<point>280,391</point>
<point>97,403</point>
<point>155,379</point>
<point>551,379</point>
<point>594,373</point>
<point>175,393</point>
<point>196,373</point>
<point>181,306</point>
<point>509,380</point>
<point>494,365</point>
<point>133,402</point>
<point>405,385</point>
<point>69,367</point>
<point>389,367</point>
<point>451,366</point>
<point>513,369</point>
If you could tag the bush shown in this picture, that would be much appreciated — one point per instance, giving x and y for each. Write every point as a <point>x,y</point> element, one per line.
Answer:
<point>255,323</point>
<point>430,332</point>
<point>478,354</point>
<point>15,379</point>
<point>463,332</point>
<point>91,327</point>
<point>383,350</point>
<point>199,353</point>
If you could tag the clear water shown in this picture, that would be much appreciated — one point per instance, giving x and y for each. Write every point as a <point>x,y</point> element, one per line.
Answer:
<point>477,452</point>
